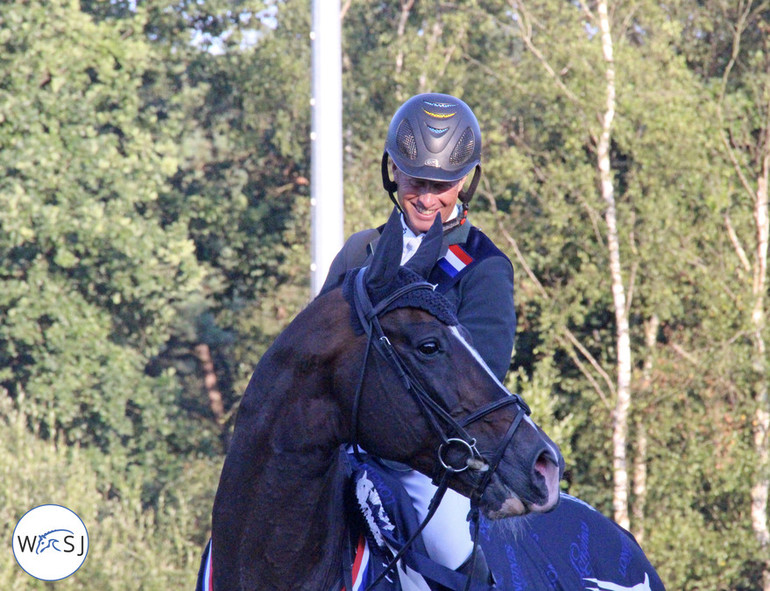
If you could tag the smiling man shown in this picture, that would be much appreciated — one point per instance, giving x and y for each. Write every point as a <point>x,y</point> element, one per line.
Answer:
<point>433,152</point>
<point>422,199</point>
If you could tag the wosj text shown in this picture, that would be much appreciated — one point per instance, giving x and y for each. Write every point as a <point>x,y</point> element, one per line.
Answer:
<point>57,540</point>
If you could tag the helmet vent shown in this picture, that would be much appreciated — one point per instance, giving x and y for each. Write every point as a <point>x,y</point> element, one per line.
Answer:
<point>464,148</point>
<point>405,140</point>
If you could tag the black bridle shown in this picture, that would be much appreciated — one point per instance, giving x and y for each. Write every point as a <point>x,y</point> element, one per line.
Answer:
<point>451,432</point>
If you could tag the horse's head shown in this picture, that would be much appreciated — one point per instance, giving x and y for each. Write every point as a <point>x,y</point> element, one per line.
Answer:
<point>427,398</point>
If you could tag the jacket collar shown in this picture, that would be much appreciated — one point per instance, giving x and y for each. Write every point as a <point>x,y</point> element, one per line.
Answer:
<point>456,235</point>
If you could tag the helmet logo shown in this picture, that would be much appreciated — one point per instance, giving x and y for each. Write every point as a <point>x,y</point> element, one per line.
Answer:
<point>432,162</point>
<point>439,110</point>
<point>437,115</point>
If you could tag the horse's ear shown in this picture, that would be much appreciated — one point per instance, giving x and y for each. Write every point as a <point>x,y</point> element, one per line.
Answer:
<point>387,256</point>
<point>423,261</point>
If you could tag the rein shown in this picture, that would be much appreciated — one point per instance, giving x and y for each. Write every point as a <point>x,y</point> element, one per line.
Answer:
<point>452,434</point>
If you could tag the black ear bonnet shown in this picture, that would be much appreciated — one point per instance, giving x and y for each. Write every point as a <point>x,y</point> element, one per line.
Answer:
<point>431,302</point>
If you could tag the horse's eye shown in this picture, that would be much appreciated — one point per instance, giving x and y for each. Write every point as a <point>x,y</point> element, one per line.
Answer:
<point>429,348</point>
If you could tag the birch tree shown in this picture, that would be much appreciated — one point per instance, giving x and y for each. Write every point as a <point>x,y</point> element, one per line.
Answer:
<point>620,495</point>
<point>618,395</point>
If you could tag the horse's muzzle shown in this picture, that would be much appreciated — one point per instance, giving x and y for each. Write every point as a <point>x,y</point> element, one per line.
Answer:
<point>538,495</point>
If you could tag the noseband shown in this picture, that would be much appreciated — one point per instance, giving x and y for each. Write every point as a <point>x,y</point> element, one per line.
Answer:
<point>451,432</point>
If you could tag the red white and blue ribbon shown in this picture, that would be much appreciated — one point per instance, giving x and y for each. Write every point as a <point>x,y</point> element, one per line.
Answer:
<point>455,260</point>
<point>360,565</point>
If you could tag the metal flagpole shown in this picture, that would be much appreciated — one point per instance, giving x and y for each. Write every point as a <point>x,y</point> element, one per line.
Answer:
<point>326,209</point>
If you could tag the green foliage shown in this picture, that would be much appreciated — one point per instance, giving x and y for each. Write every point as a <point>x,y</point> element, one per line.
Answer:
<point>92,278</point>
<point>241,186</point>
<point>699,467</point>
<point>538,392</point>
<point>131,546</point>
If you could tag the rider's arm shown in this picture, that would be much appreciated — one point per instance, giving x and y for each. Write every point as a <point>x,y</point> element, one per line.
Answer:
<point>352,255</point>
<point>486,310</point>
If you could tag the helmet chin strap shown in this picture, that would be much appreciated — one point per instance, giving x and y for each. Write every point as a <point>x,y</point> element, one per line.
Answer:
<point>457,220</point>
<point>466,196</point>
<point>389,184</point>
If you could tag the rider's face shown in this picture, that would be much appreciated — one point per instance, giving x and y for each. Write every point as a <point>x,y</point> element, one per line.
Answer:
<point>422,199</point>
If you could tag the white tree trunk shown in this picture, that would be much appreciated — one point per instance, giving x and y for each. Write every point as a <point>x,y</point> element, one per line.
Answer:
<point>640,457</point>
<point>761,488</point>
<point>620,494</point>
<point>406,8</point>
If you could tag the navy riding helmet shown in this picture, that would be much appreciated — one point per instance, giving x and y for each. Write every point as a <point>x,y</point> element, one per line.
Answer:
<point>435,137</point>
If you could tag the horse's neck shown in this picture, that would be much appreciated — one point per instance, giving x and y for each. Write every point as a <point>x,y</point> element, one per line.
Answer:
<point>279,516</point>
<point>305,532</point>
<point>282,517</point>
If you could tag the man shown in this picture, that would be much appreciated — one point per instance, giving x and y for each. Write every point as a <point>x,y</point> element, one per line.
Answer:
<point>433,145</point>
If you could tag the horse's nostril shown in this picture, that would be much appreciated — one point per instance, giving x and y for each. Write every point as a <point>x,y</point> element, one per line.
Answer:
<point>543,463</point>
<point>545,478</point>
<point>547,460</point>
<point>544,471</point>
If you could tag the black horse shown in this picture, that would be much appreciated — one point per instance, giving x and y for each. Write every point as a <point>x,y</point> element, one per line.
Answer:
<point>380,363</point>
